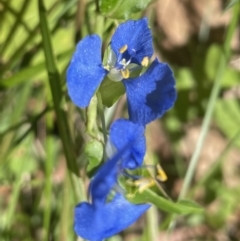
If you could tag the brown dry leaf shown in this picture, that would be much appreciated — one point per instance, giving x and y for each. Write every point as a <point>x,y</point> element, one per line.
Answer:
<point>180,20</point>
<point>173,22</point>
<point>214,145</point>
<point>157,140</point>
<point>186,234</point>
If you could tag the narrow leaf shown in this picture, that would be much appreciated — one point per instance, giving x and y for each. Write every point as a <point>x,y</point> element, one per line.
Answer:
<point>231,4</point>
<point>182,207</point>
<point>54,80</point>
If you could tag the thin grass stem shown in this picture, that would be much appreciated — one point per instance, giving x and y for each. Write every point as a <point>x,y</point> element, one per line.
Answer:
<point>58,100</point>
<point>213,98</point>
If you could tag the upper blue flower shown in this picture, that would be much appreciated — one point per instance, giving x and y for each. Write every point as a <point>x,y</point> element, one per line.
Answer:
<point>130,50</point>
<point>131,47</point>
<point>102,218</point>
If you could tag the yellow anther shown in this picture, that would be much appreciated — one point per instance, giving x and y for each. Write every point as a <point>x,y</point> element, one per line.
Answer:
<point>130,182</point>
<point>125,73</point>
<point>123,49</point>
<point>144,183</point>
<point>130,195</point>
<point>107,67</point>
<point>161,174</point>
<point>145,61</point>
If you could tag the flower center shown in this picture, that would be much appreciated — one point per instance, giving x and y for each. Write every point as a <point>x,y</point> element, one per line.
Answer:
<point>120,66</point>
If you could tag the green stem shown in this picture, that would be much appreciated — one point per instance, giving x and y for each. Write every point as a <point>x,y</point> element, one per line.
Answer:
<point>212,101</point>
<point>12,204</point>
<point>101,112</point>
<point>99,30</point>
<point>18,19</point>
<point>48,183</point>
<point>58,101</point>
<point>217,164</point>
<point>99,26</point>
<point>207,118</point>
<point>54,81</point>
<point>152,224</point>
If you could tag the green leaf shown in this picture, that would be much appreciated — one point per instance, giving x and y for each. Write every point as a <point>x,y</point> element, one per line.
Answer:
<point>185,79</point>
<point>56,91</point>
<point>94,152</point>
<point>189,206</point>
<point>231,4</point>
<point>212,61</point>
<point>28,73</point>
<point>25,163</point>
<point>181,207</point>
<point>230,78</point>
<point>227,115</point>
<point>111,91</point>
<point>92,115</point>
<point>122,9</point>
<point>22,76</point>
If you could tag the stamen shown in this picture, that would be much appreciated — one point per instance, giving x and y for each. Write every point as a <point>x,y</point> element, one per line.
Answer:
<point>107,67</point>
<point>125,73</point>
<point>145,61</point>
<point>144,183</point>
<point>123,62</point>
<point>161,174</point>
<point>123,49</point>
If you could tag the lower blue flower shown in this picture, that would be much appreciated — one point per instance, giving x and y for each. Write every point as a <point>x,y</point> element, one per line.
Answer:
<point>102,218</point>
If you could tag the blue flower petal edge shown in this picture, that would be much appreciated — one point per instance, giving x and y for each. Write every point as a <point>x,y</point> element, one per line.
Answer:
<point>96,224</point>
<point>122,132</point>
<point>138,38</point>
<point>85,72</point>
<point>150,95</point>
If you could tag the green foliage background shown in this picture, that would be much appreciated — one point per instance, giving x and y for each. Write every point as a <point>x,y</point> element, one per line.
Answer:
<point>49,149</point>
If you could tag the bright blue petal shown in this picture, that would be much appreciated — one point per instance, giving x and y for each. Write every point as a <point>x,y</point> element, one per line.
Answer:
<point>85,71</point>
<point>123,132</point>
<point>150,95</point>
<point>137,36</point>
<point>106,177</point>
<point>97,223</point>
<point>104,180</point>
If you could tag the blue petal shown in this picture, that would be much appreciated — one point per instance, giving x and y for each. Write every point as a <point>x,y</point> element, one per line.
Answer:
<point>137,36</point>
<point>152,94</point>
<point>97,223</point>
<point>106,177</point>
<point>85,71</point>
<point>123,132</point>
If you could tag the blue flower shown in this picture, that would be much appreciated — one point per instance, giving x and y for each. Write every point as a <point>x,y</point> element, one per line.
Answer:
<point>130,49</point>
<point>102,218</point>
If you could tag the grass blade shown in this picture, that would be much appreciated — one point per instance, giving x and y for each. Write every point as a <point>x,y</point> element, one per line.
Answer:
<point>55,86</point>
<point>211,104</point>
